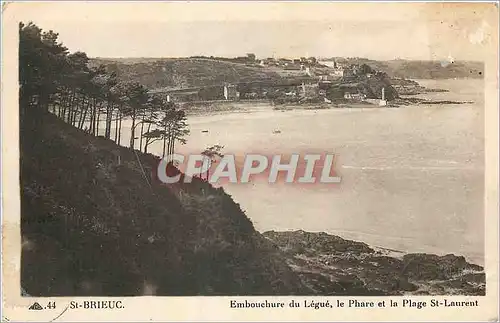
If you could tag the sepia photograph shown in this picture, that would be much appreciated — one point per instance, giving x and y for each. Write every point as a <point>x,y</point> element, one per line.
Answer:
<point>339,150</point>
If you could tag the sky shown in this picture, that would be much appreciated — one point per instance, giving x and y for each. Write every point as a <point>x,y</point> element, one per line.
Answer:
<point>284,29</point>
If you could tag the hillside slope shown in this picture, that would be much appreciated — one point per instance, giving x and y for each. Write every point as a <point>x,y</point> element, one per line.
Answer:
<point>158,73</point>
<point>94,224</point>
<point>413,69</point>
<point>185,72</point>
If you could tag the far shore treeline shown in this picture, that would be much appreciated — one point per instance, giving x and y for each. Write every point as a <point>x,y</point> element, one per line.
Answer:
<point>90,98</point>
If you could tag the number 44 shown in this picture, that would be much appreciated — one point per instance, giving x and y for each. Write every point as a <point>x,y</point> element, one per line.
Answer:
<point>51,305</point>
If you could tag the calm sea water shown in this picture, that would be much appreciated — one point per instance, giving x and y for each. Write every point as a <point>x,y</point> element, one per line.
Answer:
<point>412,177</point>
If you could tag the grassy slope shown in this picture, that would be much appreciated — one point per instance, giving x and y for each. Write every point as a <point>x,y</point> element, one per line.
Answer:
<point>186,72</point>
<point>91,226</point>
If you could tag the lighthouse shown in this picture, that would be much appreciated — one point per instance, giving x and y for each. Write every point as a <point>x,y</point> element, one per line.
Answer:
<point>383,102</point>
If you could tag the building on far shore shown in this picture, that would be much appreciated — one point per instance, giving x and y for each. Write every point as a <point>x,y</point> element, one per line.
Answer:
<point>309,90</point>
<point>354,96</point>
<point>351,91</point>
<point>339,72</point>
<point>231,92</point>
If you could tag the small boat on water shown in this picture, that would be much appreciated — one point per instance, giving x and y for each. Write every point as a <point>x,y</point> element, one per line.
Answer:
<point>204,131</point>
<point>276,131</point>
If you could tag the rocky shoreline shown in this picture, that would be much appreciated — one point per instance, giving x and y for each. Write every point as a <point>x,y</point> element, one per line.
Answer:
<point>410,87</point>
<point>417,101</point>
<point>406,89</point>
<point>331,265</point>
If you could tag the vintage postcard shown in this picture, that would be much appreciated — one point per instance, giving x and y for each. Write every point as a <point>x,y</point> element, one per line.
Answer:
<point>249,161</point>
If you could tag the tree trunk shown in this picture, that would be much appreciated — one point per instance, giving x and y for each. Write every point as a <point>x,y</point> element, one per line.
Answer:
<point>142,131</point>
<point>120,128</point>
<point>109,114</point>
<point>146,144</point>
<point>63,103</point>
<point>68,106</point>
<point>94,115</point>
<point>164,140</point>
<point>81,122</point>
<point>71,104</point>
<point>79,110</point>
<point>132,130</point>
<point>172,141</point>
<point>71,107</point>
<point>98,111</point>
<point>116,127</point>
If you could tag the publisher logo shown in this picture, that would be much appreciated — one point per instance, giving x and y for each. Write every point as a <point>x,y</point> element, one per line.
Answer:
<point>294,168</point>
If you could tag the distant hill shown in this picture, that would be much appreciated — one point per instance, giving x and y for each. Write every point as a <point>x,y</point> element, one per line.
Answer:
<point>184,72</point>
<point>420,69</point>
<point>168,73</point>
